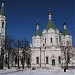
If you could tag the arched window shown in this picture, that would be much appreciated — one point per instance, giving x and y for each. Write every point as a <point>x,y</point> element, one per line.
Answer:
<point>51,40</point>
<point>2,23</point>
<point>59,59</point>
<point>37,60</point>
<point>53,62</point>
<point>43,44</point>
<point>46,60</point>
<point>45,40</point>
<point>57,40</point>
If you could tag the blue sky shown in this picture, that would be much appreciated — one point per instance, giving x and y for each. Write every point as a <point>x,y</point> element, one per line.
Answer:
<point>22,16</point>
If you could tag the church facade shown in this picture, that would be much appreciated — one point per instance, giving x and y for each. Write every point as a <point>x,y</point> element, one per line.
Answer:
<point>46,47</point>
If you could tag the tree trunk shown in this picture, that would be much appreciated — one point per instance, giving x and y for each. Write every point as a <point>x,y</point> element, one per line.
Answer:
<point>18,58</point>
<point>22,62</point>
<point>18,62</point>
<point>8,61</point>
<point>2,61</point>
<point>67,65</point>
<point>2,57</point>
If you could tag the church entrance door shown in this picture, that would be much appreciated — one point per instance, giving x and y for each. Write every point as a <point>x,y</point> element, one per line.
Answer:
<point>53,62</point>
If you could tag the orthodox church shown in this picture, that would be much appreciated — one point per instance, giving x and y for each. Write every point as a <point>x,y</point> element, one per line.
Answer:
<point>2,27</point>
<point>46,47</point>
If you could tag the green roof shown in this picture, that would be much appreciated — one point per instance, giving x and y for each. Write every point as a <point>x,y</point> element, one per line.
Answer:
<point>37,33</point>
<point>65,32</point>
<point>2,11</point>
<point>50,25</point>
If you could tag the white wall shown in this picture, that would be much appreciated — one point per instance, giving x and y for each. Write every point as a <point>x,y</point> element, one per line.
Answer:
<point>66,39</point>
<point>50,50</point>
<point>2,30</point>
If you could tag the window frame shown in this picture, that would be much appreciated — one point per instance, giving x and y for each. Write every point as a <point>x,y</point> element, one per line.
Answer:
<point>45,40</point>
<point>47,60</point>
<point>51,40</point>
<point>37,60</point>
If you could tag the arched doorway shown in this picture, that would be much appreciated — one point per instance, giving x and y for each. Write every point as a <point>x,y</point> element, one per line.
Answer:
<point>53,62</point>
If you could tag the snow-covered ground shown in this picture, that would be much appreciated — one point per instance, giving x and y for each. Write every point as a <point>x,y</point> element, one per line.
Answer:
<point>35,72</point>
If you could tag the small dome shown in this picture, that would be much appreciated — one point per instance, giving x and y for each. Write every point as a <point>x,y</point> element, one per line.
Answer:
<point>57,31</point>
<point>37,24</point>
<point>49,13</point>
<point>64,23</point>
<point>33,37</point>
<point>65,32</point>
<point>70,36</point>
<point>37,30</point>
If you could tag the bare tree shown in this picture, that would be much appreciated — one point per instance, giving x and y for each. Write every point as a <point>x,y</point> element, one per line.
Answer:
<point>26,53</point>
<point>17,51</point>
<point>18,46</point>
<point>68,53</point>
<point>9,47</point>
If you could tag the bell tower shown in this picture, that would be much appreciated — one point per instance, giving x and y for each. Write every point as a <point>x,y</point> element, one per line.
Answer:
<point>2,26</point>
<point>2,20</point>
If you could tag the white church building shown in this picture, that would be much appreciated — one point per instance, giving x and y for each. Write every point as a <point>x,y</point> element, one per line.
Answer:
<point>46,47</point>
